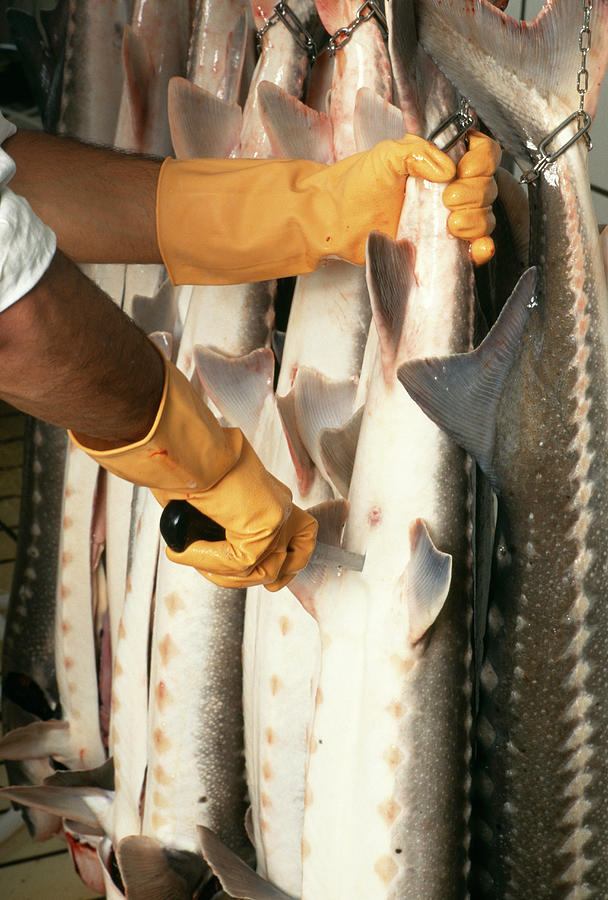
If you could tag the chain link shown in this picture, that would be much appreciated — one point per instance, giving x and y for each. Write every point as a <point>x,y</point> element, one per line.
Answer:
<point>584,45</point>
<point>365,12</point>
<point>283,13</point>
<point>582,118</point>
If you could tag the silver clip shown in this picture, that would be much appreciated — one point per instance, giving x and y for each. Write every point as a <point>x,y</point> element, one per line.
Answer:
<point>283,13</point>
<point>545,159</point>
<point>464,121</point>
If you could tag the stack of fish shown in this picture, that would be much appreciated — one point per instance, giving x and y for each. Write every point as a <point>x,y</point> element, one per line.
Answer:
<point>434,726</point>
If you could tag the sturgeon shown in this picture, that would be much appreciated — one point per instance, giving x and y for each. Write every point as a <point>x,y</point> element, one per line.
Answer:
<point>194,619</point>
<point>386,813</point>
<point>534,416</point>
<point>29,685</point>
<point>316,388</point>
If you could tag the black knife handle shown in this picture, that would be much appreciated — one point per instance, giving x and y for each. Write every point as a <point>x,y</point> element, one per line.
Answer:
<point>181,524</point>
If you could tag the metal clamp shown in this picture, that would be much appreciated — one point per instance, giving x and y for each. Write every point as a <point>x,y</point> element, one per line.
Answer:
<point>464,121</point>
<point>545,159</point>
<point>366,11</point>
<point>283,13</point>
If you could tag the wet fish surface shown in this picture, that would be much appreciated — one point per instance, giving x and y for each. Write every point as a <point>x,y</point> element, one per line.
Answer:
<point>535,416</point>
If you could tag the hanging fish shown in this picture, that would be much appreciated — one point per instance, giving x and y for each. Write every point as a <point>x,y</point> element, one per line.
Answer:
<point>531,405</point>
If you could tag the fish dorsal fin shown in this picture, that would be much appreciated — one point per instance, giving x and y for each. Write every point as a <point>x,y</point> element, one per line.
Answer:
<point>88,805</point>
<point>237,879</point>
<point>239,386</point>
<point>139,73</point>
<point>36,741</point>
<point>425,582</point>
<point>501,50</point>
<point>202,126</point>
<point>320,403</point>
<point>390,277</point>
<point>152,872</point>
<point>461,393</point>
<point>302,461</point>
<point>102,777</point>
<point>338,447</point>
<point>295,130</point>
<point>514,200</point>
<point>375,120</point>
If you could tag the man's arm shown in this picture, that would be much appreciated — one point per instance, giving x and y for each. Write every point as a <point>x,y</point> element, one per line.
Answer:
<point>70,356</point>
<point>99,202</point>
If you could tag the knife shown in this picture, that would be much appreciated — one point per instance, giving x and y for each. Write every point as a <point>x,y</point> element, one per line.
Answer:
<point>181,524</point>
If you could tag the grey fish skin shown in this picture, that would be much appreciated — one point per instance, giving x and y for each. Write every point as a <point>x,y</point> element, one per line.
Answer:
<point>29,641</point>
<point>28,653</point>
<point>541,816</point>
<point>93,75</point>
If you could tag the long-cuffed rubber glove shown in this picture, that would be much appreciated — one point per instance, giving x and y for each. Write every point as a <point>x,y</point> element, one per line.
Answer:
<point>223,221</point>
<point>187,455</point>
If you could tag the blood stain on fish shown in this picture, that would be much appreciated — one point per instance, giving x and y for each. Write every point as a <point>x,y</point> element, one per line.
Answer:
<point>374,517</point>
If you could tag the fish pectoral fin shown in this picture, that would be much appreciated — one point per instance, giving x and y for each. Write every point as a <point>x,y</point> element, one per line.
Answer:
<point>249,827</point>
<point>338,447</point>
<point>390,278</point>
<point>375,120</point>
<point>425,582</point>
<point>331,517</point>
<point>320,403</point>
<point>300,456</point>
<point>156,313</point>
<point>152,872</point>
<point>84,805</point>
<point>202,126</point>
<point>37,740</point>
<point>461,393</point>
<point>237,879</point>
<point>295,130</point>
<point>239,386</point>
<point>101,777</point>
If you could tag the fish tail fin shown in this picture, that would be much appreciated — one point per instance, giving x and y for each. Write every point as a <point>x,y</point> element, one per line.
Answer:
<point>295,130</point>
<point>202,125</point>
<point>521,77</point>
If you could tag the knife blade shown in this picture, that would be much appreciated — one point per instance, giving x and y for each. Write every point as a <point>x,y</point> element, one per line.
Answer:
<point>181,524</point>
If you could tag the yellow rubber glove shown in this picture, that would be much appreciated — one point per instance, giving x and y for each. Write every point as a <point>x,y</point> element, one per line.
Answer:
<point>187,455</point>
<point>225,221</point>
<point>471,194</point>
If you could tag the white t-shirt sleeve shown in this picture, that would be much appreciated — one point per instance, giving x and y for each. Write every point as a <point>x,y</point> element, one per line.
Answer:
<point>27,245</point>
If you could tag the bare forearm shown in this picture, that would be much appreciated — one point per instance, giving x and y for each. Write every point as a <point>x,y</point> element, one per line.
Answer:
<point>100,203</point>
<point>69,356</point>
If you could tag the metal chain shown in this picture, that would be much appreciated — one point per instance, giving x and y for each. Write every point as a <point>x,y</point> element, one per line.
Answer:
<point>582,118</point>
<point>365,12</point>
<point>283,13</point>
<point>464,120</point>
<point>584,45</point>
